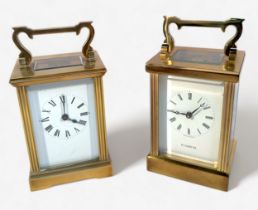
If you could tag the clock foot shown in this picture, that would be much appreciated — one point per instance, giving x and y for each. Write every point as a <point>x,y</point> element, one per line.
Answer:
<point>179,170</point>
<point>100,169</point>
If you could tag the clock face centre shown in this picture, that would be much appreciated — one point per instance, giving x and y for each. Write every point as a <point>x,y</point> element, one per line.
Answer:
<point>65,117</point>
<point>189,115</point>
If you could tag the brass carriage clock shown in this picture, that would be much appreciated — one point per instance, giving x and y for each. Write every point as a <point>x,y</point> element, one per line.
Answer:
<point>193,107</point>
<point>61,102</point>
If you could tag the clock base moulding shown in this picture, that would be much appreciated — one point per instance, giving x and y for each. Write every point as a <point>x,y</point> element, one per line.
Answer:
<point>100,169</point>
<point>192,173</point>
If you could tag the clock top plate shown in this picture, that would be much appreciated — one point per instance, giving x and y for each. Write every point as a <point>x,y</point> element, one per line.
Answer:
<point>197,63</point>
<point>54,68</point>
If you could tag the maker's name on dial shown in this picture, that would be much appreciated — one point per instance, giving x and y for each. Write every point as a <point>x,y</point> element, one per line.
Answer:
<point>188,146</point>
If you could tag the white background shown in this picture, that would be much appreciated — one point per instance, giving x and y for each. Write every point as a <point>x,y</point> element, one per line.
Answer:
<point>128,33</point>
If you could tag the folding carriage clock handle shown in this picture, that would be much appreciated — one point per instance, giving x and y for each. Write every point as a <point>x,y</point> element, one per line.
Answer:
<point>230,46</point>
<point>25,56</point>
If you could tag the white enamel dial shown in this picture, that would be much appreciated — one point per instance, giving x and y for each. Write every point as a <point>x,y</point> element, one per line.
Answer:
<point>64,116</point>
<point>64,121</point>
<point>190,117</point>
<point>190,113</point>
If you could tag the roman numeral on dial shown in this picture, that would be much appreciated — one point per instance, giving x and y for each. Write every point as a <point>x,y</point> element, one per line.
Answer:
<point>45,119</point>
<point>207,107</point>
<point>49,128</point>
<point>205,125</point>
<point>199,131</point>
<point>62,98</point>
<point>84,113</point>
<point>172,102</point>
<point>76,130</point>
<point>57,133</point>
<point>190,96</point>
<point>67,134</point>
<point>179,127</point>
<point>72,100</point>
<point>199,100</point>
<point>188,131</point>
<point>80,105</point>
<point>52,103</point>
<point>209,117</point>
<point>82,122</point>
<point>180,97</point>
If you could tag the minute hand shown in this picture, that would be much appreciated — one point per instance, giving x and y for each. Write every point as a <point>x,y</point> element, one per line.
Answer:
<point>202,105</point>
<point>62,98</point>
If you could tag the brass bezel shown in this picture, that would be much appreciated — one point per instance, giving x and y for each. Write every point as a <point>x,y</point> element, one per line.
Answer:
<point>90,169</point>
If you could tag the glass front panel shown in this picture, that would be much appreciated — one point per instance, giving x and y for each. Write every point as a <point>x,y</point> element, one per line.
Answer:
<point>64,122</point>
<point>190,115</point>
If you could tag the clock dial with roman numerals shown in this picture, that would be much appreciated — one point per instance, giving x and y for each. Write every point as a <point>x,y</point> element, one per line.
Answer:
<point>64,116</point>
<point>190,114</point>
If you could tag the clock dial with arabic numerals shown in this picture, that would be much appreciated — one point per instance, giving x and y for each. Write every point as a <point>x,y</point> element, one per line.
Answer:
<point>190,114</point>
<point>64,116</point>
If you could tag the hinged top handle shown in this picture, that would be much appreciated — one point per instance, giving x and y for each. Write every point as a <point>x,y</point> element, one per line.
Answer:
<point>25,55</point>
<point>230,46</point>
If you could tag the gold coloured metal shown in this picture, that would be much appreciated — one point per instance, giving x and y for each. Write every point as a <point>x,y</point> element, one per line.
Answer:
<point>226,125</point>
<point>230,46</point>
<point>226,150</point>
<point>93,68</point>
<point>25,56</point>
<point>187,172</point>
<point>21,78</point>
<point>154,114</point>
<point>101,118</point>
<point>197,70</point>
<point>210,64</point>
<point>98,169</point>
<point>27,124</point>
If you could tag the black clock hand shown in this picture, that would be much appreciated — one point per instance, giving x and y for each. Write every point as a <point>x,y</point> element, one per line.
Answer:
<point>73,120</point>
<point>202,105</point>
<point>66,117</point>
<point>176,112</point>
<point>81,122</point>
<point>62,98</point>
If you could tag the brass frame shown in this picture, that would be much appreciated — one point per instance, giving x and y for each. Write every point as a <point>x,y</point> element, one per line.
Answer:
<point>202,172</point>
<point>24,76</point>
<point>90,169</point>
<point>173,163</point>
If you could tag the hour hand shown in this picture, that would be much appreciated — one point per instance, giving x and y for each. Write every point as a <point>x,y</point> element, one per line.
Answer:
<point>176,112</point>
